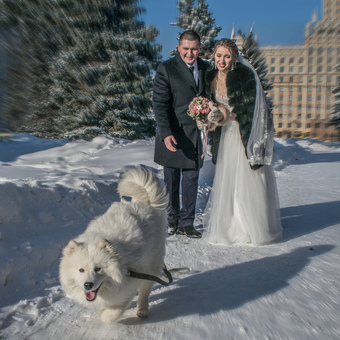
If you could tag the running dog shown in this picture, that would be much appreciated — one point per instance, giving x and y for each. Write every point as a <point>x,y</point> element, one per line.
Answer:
<point>130,236</point>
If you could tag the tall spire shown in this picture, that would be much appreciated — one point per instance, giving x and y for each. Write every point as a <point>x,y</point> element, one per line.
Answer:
<point>314,17</point>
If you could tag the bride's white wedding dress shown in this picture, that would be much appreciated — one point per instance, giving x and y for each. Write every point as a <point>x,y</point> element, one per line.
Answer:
<point>243,204</point>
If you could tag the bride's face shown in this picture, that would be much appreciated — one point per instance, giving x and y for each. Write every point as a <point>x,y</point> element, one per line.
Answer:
<point>223,58</point>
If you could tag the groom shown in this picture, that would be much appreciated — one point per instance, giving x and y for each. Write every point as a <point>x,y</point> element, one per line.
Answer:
<point>178,144</point>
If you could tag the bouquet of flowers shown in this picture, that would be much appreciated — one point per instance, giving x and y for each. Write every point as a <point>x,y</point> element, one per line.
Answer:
<point>199,109</point>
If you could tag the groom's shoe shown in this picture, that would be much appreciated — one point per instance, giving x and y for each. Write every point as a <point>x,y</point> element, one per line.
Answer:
<point>189,231</point>
<point>172,228</point>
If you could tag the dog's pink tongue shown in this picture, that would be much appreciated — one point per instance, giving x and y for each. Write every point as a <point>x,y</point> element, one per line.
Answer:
<point>90,295</point>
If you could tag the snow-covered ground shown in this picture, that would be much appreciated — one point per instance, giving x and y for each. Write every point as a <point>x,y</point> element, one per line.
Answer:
<point>50,190</point>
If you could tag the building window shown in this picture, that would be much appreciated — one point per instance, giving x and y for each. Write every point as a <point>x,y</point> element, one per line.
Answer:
<point>281,79</point>
<point>329,79</point>
<point>291,69</point>
<point>282,60</point>
<point>289,125</point>
<point>310,60</point>
<point>320,60</point>
<point>299,107</point>
<point>290,116</point>
<point>309,107</point>
<point>299,116</point>
<point>310,69</point>
<point>280,125</point>
<point>308,125</point>
<point>300,79</point>
<point>329,88</point>
<point>273,60</point>
<point>319,79</point>
<point>309,116</point>
<point>318,97</point>
<point>300,97</point>
<point>310,79</point>
<point>291,79</point>
<point>299,125</point>
<point>301,60</point>
<point>300,88</point>
<point>328,98</point>
<point>281,107</point>
<point>291,60</point>
<point>281,98</point>
<point>280,116</point>
<point>290,106</point>
<point>290,88</point>
<point>272,79</point>
<point>330,50</point>
<point>281,88</point>
<point>318,88</point>
<point>272,69</point>
<point>329,60</point>
<point>290,98</point>
<point>309,88</point>
<point>311,50</point>
<point>319,68</point>
<point>329,68</point>
<point>318,107</point>
<point>309,98</point>
<point>300,68</point>
<point>320,50</point>
<point>318,116</point>
<point>282,69</point>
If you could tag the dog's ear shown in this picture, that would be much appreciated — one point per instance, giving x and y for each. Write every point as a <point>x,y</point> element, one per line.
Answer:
<point>71,247</point>
<point>105,244</point>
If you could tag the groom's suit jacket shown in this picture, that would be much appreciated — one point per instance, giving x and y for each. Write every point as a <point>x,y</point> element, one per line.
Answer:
<point>173,90</point>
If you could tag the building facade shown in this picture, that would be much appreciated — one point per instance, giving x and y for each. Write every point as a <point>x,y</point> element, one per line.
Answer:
<point>303,78</point>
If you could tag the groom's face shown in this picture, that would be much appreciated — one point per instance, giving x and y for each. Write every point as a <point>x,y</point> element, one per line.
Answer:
<point>189,50</point>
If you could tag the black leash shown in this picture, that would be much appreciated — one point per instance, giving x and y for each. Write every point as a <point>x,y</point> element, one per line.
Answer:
<point>149,277</point>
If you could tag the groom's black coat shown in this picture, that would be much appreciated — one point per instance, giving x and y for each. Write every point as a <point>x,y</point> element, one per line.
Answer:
<point>173,90</point>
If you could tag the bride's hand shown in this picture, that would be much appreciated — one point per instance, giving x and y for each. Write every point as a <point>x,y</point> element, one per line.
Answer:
<point>215,115</point>
<point>212,105</point>
<point>219,115</point>
<point>200,124</point>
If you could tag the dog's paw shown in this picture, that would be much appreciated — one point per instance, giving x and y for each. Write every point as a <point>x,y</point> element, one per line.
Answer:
<point>142,313</point>
<point>108,315</point>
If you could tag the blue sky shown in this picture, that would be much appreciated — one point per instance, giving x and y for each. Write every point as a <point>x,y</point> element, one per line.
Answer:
<point>276,22</point>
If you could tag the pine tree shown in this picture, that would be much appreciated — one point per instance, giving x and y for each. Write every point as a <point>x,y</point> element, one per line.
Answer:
<point>335,120</point>
<point>98,78</point>
<point>198,18</point>
<point>30,29</point>
<point>251,51</point>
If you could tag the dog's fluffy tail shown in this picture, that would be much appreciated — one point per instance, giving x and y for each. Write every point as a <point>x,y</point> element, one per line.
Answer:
<point>142,185</point>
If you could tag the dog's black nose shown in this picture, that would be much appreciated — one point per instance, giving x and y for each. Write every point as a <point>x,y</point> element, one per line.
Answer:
<point>88,285</point>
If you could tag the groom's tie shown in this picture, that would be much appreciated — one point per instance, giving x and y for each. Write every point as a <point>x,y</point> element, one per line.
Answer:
<point>191,68</point>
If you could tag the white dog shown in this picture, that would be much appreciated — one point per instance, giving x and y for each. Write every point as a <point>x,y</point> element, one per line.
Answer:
<point>94,269</point>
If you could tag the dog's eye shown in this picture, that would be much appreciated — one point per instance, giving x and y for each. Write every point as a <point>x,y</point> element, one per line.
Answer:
<point>97,269</point>
<point>81,270</point>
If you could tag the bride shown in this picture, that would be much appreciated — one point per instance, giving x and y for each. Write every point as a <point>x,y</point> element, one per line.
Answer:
<point>243,205</point>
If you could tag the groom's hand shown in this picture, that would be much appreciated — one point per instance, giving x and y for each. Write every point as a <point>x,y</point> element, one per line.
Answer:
<point>170,143</point>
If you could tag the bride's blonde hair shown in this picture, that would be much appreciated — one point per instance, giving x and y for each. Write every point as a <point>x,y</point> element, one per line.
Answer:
<point>229,44</point>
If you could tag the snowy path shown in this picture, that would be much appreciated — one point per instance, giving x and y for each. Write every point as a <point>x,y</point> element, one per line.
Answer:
<point>288,290</point>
